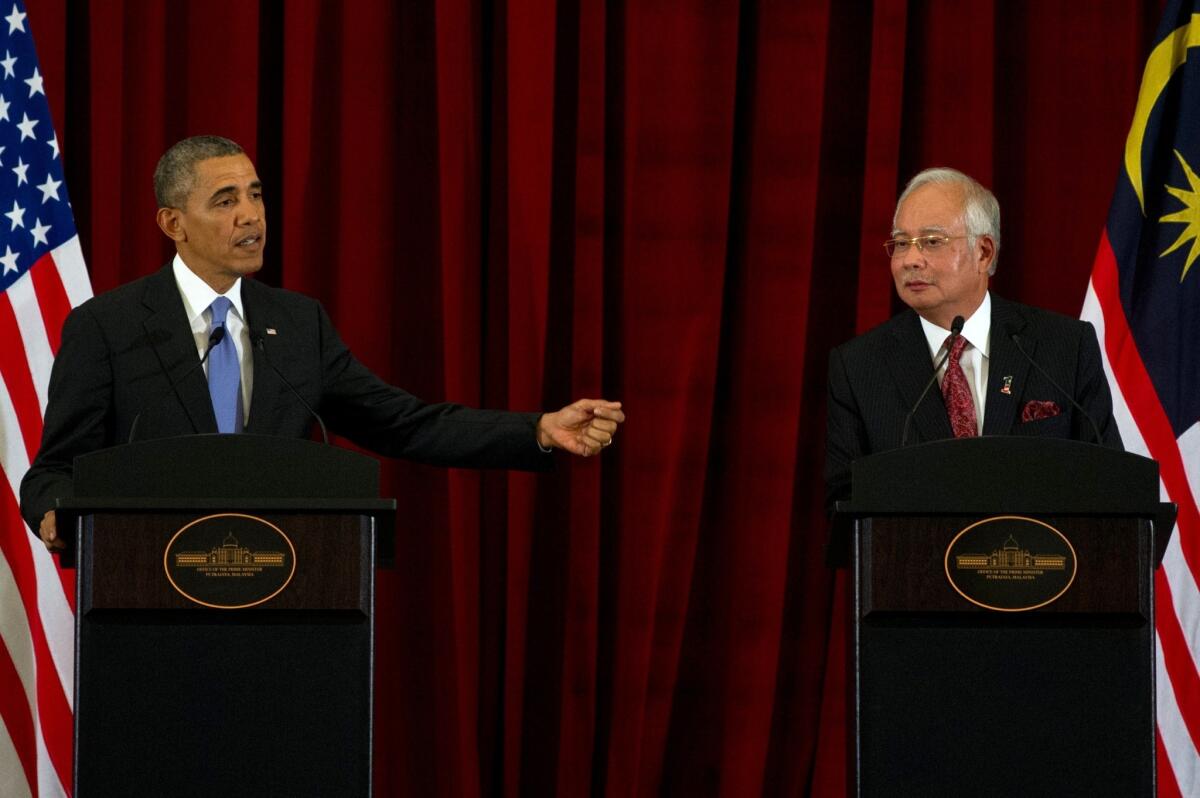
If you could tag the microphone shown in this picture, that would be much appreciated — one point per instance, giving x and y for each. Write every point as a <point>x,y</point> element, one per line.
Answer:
<point>216,337</point>
<point>1016,339</point>
<point>261,346</point>
<point>955,331</point>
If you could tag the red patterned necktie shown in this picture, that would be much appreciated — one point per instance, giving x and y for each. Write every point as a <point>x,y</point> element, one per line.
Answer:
<point>957,393</point>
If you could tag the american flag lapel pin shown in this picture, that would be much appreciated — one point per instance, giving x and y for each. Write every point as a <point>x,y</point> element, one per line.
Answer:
<point>1006,388</point>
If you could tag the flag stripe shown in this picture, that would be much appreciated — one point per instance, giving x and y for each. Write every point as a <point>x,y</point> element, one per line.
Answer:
<point>18,650</point>
<point>1180,667</point>
<point>15,709</point>
<point>14,781</point>
<point>38,355</point>
<point>68,256</point>
<point>14,458</point>
<point>55,608</point>
<point>52,299</point>
<point>17,378</point>
<point>49,783</point>
<point>1185,594</point>
<point>1189,449</point>
<point>1130,436</point>
<point>1167,786</point>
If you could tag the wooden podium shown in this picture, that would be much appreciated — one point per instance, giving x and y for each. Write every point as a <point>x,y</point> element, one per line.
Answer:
<point>1003,618</point>
<point>224,627</point>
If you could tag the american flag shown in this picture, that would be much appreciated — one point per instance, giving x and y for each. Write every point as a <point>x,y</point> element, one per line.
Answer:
<point>1144,299</point>
<point>42,276</point>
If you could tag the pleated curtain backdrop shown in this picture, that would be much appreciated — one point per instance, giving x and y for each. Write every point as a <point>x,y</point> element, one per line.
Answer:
<point>679,204</point>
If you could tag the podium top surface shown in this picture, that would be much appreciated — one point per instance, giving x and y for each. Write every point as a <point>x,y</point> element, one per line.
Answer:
<point>227,467</point>
<point>1001,474</point>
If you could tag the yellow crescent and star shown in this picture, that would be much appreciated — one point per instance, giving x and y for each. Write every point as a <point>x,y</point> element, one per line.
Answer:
<point>1164,60</point>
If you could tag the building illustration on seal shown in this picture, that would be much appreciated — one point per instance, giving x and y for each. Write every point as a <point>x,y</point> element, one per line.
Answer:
<point>1011,555</point>
<point>230,552</point>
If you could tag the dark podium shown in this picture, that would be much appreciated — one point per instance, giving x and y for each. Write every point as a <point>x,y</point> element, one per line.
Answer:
<point>224,627</point>
<point>1003,618</point>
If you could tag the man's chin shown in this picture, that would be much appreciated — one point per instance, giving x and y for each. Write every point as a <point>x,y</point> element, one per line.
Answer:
<point>248,268</point>
<point>920,300</point>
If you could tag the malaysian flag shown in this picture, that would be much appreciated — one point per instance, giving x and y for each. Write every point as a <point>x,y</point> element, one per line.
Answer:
<point>42,276</point>
<point>1144,299</point>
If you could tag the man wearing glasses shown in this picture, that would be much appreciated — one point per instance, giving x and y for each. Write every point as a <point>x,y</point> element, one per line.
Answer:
<point>943,249</point>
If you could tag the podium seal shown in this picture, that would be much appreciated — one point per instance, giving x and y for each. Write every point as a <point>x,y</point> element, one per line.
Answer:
<point>1010,563</point>
<point>229,561</point>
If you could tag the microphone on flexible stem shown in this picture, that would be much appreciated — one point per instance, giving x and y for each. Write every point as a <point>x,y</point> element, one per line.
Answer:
<point>955,331</point>
<point>1016,339</point>
<point>261,346</point>
<point>216,337</point>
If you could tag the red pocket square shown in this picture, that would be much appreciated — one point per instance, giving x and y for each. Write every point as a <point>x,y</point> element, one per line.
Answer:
<point>1035,410</point>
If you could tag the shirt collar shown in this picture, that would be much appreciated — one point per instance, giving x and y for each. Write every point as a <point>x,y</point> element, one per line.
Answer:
<point>976,330</point>
<point>198,295</point>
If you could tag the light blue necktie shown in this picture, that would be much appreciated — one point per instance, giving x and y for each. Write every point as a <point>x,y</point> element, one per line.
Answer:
<point>224,373</point>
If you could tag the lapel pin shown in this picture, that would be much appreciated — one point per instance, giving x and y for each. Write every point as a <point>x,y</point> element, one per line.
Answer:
<point>1006,389</point>
<point>271,331</point>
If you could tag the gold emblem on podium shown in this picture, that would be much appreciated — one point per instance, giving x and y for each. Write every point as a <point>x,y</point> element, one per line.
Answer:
<point>1010,563</point>
<point>229,561</point>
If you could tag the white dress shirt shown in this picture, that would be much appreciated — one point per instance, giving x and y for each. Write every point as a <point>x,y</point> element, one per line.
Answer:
<point>197,296</point>
<point>974,358</point>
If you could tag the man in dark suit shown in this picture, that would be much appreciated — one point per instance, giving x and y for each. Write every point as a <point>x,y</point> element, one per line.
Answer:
<point>944,245</point>
<point>128,361</point>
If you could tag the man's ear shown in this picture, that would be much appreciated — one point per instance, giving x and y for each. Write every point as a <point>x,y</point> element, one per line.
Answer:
<point>170,222</point>
<point>987,252</point>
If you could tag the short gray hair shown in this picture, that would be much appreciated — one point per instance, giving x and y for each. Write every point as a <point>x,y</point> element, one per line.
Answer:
<point>175,175</point>
<point>981,211</point>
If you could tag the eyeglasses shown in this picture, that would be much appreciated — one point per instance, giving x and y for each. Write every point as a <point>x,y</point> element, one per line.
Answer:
<point>931,243</point>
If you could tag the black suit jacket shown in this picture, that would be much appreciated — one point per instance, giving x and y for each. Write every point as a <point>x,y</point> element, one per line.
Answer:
<point>875,379</point>
<point>122,350</point>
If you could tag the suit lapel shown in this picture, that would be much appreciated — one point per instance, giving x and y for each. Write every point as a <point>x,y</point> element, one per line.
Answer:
<point>167,327</point>
<point>261,316</point>
<point>1006,367</point>
<point>911,369</point>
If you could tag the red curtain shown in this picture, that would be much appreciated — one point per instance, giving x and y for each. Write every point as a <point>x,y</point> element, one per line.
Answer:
<point>674,203</point>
